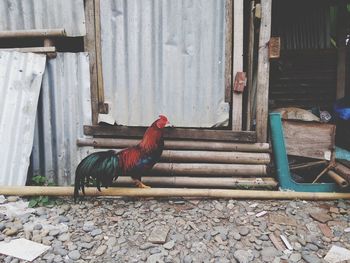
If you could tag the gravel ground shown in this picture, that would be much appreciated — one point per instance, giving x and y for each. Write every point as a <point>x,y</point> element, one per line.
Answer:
<point>181,230</point>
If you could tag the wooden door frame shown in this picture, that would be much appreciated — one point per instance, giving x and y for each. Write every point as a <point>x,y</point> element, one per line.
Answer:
<point>234,63</point>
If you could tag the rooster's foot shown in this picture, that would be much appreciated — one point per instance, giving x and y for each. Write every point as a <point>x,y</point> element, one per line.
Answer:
<point>139,184</point>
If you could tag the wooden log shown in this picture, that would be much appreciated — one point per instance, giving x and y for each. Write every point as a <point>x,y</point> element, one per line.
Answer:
<point>262,95</point>
<point>217,157</point>
<point>343,171</point>
<point>206,182</point>
<point>58,32</point>
<point>209,169</point>
<point>338,179</point>
<point>39,50</point>
<point>172,192</point>
<point>237,98</point>
<point>178,145</point>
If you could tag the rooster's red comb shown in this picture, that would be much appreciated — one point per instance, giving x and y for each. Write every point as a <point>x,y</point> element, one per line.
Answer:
<point>163,117</point>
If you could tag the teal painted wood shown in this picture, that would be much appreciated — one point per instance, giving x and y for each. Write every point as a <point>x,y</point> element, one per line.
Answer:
<point>282,166</point>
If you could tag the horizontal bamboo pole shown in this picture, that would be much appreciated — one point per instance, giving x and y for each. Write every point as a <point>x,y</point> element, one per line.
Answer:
<point>338,179</point>
<point>226,182</point>
<point>172,192</point>
<point>58,32</point>
<point>177,145</point>
<point>343,171</point>
<point>32,49</point>
<point>210,169</point>
<point>215,157</point>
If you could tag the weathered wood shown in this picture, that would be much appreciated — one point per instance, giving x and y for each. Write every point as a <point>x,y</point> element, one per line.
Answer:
<point>338,179</point>
<point>172,192</point>
<point>237,104</point>
<point>343,171</point>
<point>274,47</point>
<point>90,47</point>
<point>39,50</point>
<point>217,157</point>
<point>325,170</point>
<point>177,145</point>
<point>209,169</point>
<point>55,32</point>
<point>224,182</point>
<point>228,50</point>
<point>173,133</point>
<point>250,66</point>
<point>263,72</point>
<point>48,42</point>
<point>309,139</point>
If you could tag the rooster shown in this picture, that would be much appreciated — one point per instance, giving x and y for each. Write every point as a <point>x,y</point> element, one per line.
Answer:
<point>106,166</point>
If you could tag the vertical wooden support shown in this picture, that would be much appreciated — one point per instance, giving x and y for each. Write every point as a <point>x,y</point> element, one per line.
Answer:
<point>228,50</point>
<point>237,62</point>
<point>341,51</point>
<point>48,42</point>
<point>90,47</point>
<point>250,65</point>
<point>262,95</point>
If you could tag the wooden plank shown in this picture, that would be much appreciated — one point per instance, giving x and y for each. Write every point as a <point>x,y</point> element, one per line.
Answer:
<point>90,47</point>
<point>262,95</point>
<point>172,133</point>
<point>237,104</point>
<point>309,139</point>
<point>102,108</point>
<point>55,32</point>
<point>250,66</point>
<point>32,49</point>
<point>228,50</point>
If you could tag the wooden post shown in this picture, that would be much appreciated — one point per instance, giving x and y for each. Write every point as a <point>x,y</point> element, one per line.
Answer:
<point>237,62</point>
<point>48,42</point>
<point>90,47</point>
<point>262,96</point>
<point>341,51</point>
<point>250,65</point>
<point>228,50</point>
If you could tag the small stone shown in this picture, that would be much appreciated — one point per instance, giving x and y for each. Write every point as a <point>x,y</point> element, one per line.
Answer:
<point>12,198</point>
<point>54,232</point>
<point>269,253</point>
<point>87,245</point>
<point>74,255</point>
<point>321,217</point>
<point>63,219</point>
<point>60,251</point>
<point>243,256</point>
<point>38,227</point>
<point>310,246</point>
<point>154,250</point>
<point>119,212</point>
<point>89,226</point>
<point>237,236</point>
<point>2,226</point>
<point>295,257</point>
<point>155,258</point>
<point>96,232</point>
<point>187,259</point>
<point>264,237</point>
<point>243,231</point>
<point>10,231</point>
<point>309,258</point>
<point>169,245</point>
<point>147,245</point>
<point>100,250</point>
<point>64,237</point>
<point>159,235</point>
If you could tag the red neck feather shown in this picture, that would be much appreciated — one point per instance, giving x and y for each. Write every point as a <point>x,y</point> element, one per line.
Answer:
<point>151,137</point>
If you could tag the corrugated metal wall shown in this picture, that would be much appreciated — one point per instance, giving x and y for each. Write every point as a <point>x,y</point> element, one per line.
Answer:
<point>64,107</point>
<point>43,14</point>
<point>302,24</point>
<point>20,77</point>
<point>164,57</point>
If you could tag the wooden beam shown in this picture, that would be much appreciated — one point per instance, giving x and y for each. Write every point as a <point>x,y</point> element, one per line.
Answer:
<point>90,47</point>
<point>250,66</point>
<point>31,49</point>
<point>228,50</point>
<point>262,96</point>
<point>58,32</point>
<point>237,105</point>
<point>173,133</point>
<point>177,145</point>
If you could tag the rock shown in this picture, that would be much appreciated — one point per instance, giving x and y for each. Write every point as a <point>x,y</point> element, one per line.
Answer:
<point>12,198</point>
<point>169,245</point>
<point>237,236</point>
<point>310,246</point>
<point>243,231</point>
<point>322,217</point>
<point>60,251</point>
<point>159,235</point>
<point>155,258</point>
<point>310,258</point>
<point>154,250</point>
<point>187,259</point>
<point>119,212</point>
<point>63,219</point>
<point>282,220</point>
<point>54,232</point>
<point>96,232</point>
<point>74,255</point>
<point>243,256</point>
<point>10,231</point>
<point>269,253</point>
<point>111,241</point>
<point>295,257</point>
<point>87,245</point>
<point>100,250</point>
<point>2,226</point>
<point>89,226</point>
<point>64,237</point>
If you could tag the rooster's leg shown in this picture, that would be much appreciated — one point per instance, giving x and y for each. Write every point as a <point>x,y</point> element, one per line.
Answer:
<point>139,184</point>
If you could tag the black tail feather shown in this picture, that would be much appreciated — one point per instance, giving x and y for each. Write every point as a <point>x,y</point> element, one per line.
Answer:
<point>101,166</point>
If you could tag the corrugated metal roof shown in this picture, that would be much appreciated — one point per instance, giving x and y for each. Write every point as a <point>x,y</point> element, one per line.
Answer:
<point>64,107</point>
<point>164,57</point>
<point>43,14</point>
<point>20,78</point>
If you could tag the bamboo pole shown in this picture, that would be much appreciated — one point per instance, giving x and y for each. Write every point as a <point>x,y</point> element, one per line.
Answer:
<point>338,179</point>
<point>343,171</point>
<point>58,32</point>
<point>31,49</point>
<point>178,145</point>
<point>226,182</point>
<point>217,157</point>
<point>172,192</point>
<point>210,169</point>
